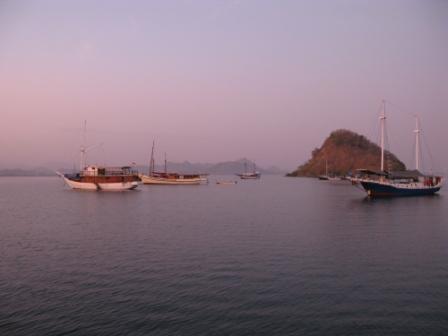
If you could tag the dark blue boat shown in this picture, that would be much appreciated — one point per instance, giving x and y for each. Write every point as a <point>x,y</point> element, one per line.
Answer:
<point>392,184</point>
<point>383,183</point>
<point>375,189</point>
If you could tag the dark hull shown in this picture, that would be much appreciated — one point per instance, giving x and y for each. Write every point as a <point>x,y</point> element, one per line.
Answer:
<point>380,190</point>
<point>249,176</point>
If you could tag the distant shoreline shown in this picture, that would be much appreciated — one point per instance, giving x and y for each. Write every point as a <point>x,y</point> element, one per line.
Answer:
<point>220,168</point>
<point>26,174</point>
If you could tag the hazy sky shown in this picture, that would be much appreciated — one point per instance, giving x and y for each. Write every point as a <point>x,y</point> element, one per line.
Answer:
<point>218,80</point>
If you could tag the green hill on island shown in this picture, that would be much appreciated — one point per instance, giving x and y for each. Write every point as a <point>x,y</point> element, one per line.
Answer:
<point>345,151</point>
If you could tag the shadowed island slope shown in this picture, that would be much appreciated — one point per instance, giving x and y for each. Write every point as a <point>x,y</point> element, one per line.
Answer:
<point>345,151</point>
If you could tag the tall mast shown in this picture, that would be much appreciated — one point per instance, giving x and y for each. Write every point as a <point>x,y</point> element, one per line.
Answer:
<point>151,162</point>
<point>383,126</point>
<point>83,149</point>
<point>166,170</point>
<point>417,144</point>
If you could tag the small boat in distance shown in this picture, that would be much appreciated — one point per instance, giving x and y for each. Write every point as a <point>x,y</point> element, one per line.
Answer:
<point>170,178</point>
<point>254,175</point>
<point>325,177</point>
<point>91,177</point>
<point>403,183</point>
<point>331,177</point>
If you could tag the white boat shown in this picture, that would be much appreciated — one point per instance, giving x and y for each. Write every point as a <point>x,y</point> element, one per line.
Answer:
<point>96,178</point>
<point>103,179</point>
<point>170,178</point>
<point>253,175</point>
<point>250,176</point>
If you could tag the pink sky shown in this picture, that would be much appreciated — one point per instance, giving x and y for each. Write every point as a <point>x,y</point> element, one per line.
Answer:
<point>218,80</point>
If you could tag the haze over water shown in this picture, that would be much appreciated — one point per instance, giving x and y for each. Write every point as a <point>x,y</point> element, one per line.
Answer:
<point>279,256</point>
<point>215,81</point>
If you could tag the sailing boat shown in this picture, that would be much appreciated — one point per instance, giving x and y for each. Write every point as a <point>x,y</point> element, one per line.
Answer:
<point>404,183</point>
<point>92,177</point>
<point>249,175</point>
<point>167,178</point>
<point>325,177</point>
<point>332,177</point>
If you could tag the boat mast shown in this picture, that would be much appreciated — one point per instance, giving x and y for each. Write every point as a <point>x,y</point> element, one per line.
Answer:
<point>383,126</point>
<point>151,162</point>
<point>417,144</point>
<point>83,148</point>
<point>166,170</point>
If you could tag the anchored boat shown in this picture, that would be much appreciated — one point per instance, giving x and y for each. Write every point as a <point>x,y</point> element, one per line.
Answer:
<point>170,178</point>
<point>162,178</point>
<point>91,177</point>
<point>404,183</point>
<point>329,177</point>
<point>253,175</point>
<point>103,178</point>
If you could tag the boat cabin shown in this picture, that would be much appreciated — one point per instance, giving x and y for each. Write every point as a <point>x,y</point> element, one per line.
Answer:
<point>405,176</point>
<point>108,171</point>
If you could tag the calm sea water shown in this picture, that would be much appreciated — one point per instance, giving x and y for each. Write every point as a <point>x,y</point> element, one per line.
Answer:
<point>279,256</point>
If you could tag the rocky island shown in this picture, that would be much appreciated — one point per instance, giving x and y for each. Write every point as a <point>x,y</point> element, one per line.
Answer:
<point>345,151</point>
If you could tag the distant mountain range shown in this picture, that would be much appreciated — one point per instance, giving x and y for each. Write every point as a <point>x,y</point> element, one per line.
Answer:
<point>221,168</point>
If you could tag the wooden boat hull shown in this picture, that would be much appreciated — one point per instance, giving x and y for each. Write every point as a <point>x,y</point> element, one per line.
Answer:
<point>171,181</point>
